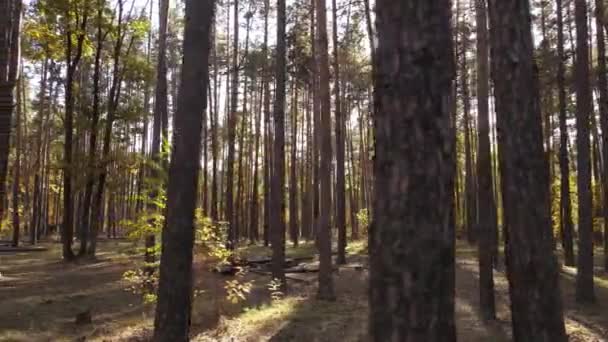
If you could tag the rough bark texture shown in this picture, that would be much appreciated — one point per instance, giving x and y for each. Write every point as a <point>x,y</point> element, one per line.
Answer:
<point>531,265</point>
<point>411,237</point>
<point>584,108</point>
<point>326,287</point>
<point>564,164</point>
<point>277,203</point>
<point>487,226</point>
<point>172,322</point>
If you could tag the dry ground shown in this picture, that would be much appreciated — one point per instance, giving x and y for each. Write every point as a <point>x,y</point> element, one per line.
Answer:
<point>41,295</point>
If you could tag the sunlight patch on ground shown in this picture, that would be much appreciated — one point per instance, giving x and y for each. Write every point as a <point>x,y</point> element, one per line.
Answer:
<point>255,323</point>
<point>578,332</point>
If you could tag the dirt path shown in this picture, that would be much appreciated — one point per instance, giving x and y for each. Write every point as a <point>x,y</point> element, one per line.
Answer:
<point>40,297</point>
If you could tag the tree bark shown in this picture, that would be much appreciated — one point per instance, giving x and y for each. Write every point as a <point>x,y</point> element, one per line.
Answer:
<point>326,286</point>
<point>339,132</point>
<point>277,226</point>
<point>232,121</point>
<point>172,321</point>
<point>564,164</point>
<point>532,269</point>
<point>411,238</point>
<point>602,83</point>
<point>584,108</point>
<point>487,225</point>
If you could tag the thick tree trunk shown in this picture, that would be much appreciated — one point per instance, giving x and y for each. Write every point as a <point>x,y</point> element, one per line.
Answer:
<point>584,108</point>
<point>565,205</point>
<point>411,237</point>
<point>326,286</point>
<point>487,225</point>
<point>172,321</point>
<point>531,265</point>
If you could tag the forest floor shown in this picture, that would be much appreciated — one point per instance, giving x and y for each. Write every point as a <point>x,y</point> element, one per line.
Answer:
<point>40,296</point>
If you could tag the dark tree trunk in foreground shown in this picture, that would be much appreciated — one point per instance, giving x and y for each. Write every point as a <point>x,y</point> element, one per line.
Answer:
<point>277,202</point>
<point>531,265</point>
<point>172,322</point>
<point>584,108</point>
<point>411,237</point>
<point>564,164</point>
<point>326,286</point>
<point>487,227</point>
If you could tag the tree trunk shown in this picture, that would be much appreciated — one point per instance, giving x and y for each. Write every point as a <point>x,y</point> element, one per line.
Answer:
<point>232,121</point>
<point>73,57</point>
<point>17,168</point>
<point>268,134</point>
<point>532,269</point>
<point>565,203</point>
<point>584,108</point>
<point>339,129</point>
<point>91,169</point>
<point>602,83</point>
<point>172,321</point>
<point>293,177</point>
<point>411,237</point>
<point>326,286</point>
<point>277,210</point>
<point>487,221</point>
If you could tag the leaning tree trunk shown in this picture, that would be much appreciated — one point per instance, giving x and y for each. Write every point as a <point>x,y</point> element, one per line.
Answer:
<point>411,237</point>
<point>172,321</point>
<point>532,268</point>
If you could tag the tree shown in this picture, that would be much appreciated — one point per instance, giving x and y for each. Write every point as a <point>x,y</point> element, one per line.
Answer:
<point>487,227</point>
<point>532,269</point>
<point>602,83</point>
<point>584,108</point>
<point>75,27</point>
<point>9,66</point>
<point>326,287</point>
<point>564,164</point>
<point>14,78</point>
<point>277,202</point>
<point>339,133</point>
<point>172,321</point>
<point>232,121</point>
<point>411,238</point>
